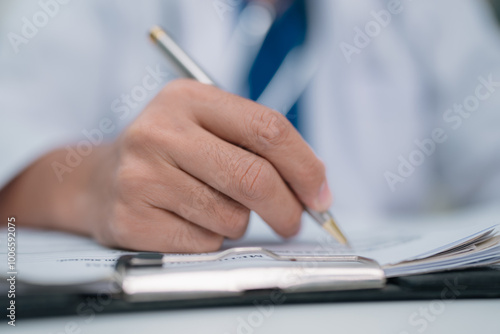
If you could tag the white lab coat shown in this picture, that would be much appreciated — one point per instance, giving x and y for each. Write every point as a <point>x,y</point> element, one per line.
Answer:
<point>361,117</point>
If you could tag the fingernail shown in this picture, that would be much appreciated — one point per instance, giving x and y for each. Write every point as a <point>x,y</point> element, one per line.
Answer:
<point>325,199</point>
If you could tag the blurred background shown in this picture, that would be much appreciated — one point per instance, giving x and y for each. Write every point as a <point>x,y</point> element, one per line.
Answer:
<point>362,110</point>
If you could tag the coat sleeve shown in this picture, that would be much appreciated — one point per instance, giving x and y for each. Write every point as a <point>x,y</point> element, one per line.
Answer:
<point>63,66</point>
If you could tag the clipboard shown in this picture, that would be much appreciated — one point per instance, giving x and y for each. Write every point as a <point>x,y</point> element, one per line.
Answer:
<point>153,277</point>
<point>360,280</point>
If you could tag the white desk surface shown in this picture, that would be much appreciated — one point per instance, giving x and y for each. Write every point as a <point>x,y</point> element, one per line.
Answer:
<point>459,316</point>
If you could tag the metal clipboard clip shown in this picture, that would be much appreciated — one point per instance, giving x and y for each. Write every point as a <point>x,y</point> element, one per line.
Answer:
<point>150,277</point>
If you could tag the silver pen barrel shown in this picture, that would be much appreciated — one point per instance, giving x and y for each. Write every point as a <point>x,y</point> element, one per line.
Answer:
<point>178,57</point>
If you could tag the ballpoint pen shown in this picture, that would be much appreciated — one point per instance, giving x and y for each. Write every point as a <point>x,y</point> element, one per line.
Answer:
<point>189,69</point>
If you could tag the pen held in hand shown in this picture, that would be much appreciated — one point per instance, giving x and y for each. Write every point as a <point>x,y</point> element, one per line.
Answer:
<point>189,69</point>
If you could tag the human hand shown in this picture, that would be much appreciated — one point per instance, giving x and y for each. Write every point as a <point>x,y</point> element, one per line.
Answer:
<point>188,171</point>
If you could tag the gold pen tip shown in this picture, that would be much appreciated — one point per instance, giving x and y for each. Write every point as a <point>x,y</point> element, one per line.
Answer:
<point>155,32</point>
<point>335,232</point>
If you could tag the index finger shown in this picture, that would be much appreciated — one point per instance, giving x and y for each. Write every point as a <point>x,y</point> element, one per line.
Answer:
<point>267,133</point>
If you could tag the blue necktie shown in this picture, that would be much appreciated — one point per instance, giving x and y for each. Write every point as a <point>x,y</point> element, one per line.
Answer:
<point>287,32</point>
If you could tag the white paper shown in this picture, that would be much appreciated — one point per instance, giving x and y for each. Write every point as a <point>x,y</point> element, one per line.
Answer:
<point>48,257</point>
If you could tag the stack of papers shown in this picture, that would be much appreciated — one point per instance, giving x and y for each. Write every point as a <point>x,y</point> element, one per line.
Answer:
<point>478,249</point>
<point>402,254</point>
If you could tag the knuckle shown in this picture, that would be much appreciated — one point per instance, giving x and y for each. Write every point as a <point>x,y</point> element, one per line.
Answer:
<point>200,198</point>
<point>179,89</point>
<point>270,127</point>
<point>200,203</point>
<point>140,135</point>
<point>214,151</point>
<point>254,178</point>
<point>150,138</point>
<point>231,216</point>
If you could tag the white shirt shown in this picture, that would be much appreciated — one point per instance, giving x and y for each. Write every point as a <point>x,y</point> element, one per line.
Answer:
<point>370,100</point>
